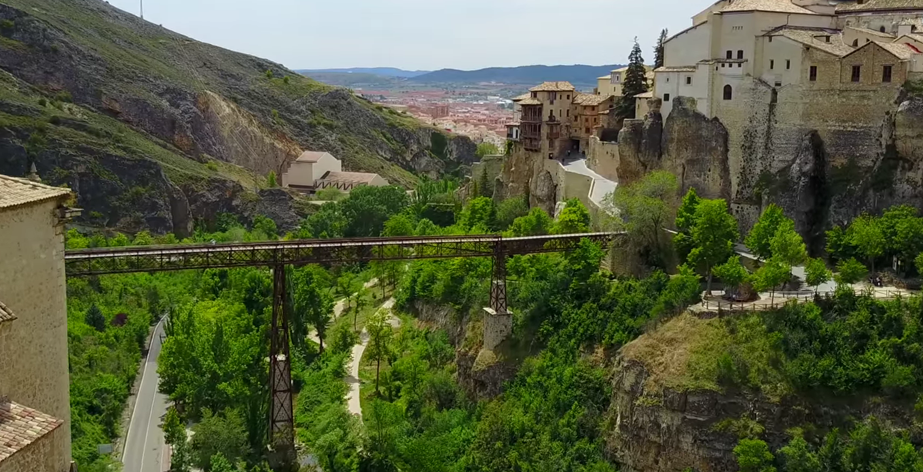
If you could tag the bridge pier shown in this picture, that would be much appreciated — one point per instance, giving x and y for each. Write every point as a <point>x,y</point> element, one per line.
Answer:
<point>281,416</point>
<point>498,321</point>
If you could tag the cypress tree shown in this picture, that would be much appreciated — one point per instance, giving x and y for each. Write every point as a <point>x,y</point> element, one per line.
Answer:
<point>94,317</point>
<point>658,51</point>
<point>635,83</point>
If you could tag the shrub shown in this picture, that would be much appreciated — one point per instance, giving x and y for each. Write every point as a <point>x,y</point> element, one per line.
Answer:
<point>42,102</point>
<point>269,74</point>
<point>64,96</point>
<point>7,26</point>
<point>212,166</point>
<point>285,80</point>
<point>271,180</point>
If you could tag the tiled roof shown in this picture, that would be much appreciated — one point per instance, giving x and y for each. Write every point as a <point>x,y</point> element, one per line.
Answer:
<point>916,37</point>
<point>6,314</point>
<point>553,87</point>
<point>605,77</point>
<point>778,6</point>
<point>900,50</point>
<point>21,426</point>
<point>589,100</point>
<point>349,177</point>
<point>530,101</point>
<point>675,69</point>
<point>878,5</point>
<point>522,97</point>
<point>648,94</point>
<point>808,37</point>
<point>15,191</point>
<point>312,156</point>
<point>871,32</point>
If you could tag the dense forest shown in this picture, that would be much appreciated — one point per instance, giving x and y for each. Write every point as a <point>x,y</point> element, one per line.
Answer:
<point>570,320</point>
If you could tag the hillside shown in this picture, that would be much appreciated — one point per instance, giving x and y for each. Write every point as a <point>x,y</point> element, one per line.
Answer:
<point>155,130</point>
<point>576,74</point>
<point>354,80</point>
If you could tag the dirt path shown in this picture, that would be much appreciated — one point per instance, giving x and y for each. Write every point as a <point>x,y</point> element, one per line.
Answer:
<point>352,379</point>
<point>338,308</point>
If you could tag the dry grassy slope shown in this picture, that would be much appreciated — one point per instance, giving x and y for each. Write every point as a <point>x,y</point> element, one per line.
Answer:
<point>192,101</point>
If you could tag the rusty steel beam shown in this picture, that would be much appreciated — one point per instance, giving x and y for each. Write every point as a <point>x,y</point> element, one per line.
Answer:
<point>281,413</point>
<point>269,254</point>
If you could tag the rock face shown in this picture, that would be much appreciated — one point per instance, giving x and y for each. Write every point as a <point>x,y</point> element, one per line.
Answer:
<point>92,93</point>
<point>653,431</point>
<point>824,166</point>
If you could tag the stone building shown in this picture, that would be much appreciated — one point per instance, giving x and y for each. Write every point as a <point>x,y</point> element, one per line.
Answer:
<point>314,171</point>
<point>34,380</point>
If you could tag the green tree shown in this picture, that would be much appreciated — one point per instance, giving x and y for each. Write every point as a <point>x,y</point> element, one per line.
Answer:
<point>816,273</point>
<point>271,180</point>
<point>510,209</point>
<point>865,234</point>
<point>330,194</point>
<point>94,317</point>
<point>265,226</point>
<point>759,239</point>
<point>787,245</point>
<point>487,149</point>
<point>753,455</point>
<point>312,304</point>
<point>479,213</point>
<point>685,219</point>
<point>772,274</point>
<point>732,273</point>
<point>797,456</point>
<point>635,83</point>
<point>399,225</point>
<point>659,49</point>
<point>644,209</point>
<point>536,223</point>
<point>379,340</point>
<point>426,227</point>
<point>367,208</point>
<point>574,219</point>
<point>226,436</point>
<point>712,236</point>
<point>850,271</point>
<point>219,463</point>
<point>143,238</point>
<point>173,429</point>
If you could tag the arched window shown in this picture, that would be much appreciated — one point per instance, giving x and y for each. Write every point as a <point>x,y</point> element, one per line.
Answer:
<point>855,43</point>
<point>882,29</point>
<point>728,93</point>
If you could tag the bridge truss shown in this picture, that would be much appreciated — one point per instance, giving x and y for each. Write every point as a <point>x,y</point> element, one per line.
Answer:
<point>276,255</point>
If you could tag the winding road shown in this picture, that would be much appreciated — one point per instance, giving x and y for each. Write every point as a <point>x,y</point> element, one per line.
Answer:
<point>145,449</point>
<point>353,397</point>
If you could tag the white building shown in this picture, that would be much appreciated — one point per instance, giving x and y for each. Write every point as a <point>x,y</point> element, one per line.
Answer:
<point>318,170</point>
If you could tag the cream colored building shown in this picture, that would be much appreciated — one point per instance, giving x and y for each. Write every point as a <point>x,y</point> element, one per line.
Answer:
<point>783,43</point>
<point>612,84</point>
<point>314,170</point>
<point>34,379</point>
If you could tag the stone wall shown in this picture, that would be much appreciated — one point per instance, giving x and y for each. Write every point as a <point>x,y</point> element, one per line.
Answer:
<point>603,158</point>
<point>33,354</point>
<point>50,453</point>
<point>497,327</point>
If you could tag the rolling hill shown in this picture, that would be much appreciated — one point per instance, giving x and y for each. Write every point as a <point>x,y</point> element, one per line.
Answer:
<point>576,74</point>
<point>382,71</point>
<point>154,130</point>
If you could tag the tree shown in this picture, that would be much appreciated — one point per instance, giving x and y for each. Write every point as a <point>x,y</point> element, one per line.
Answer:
<point>865,233</point>
<point>487,149</point>
<point>175,435</point>
<point>659,49</point>
<point>379,340</point>
<point>816,273</point>
<point>367,208</point>
<point>685,218</point>
<point>787,245</point>
<point>479,213</point>
<point>510,209</point>
<point>536,223</point>
<point>712,236</point>
<point>426,227</point>
<point>732,272</point>
<point>797,456</point>
<point>361,302</point>
<point>143,238</point>
<point>219,463</point>
<point>760,237</point>
<point>574,218</point>
<point>644,208</point>
<point>850,271</point>
<point>635,83</point>
<point>312,304</point>
<point>94,317</point>
<point>753,455</point>
<point>329,194</point>
<point>399,225</point>
<point>265,226</point>
<point>219,435</point>
<point>271,180</point>
<point>773,273</point>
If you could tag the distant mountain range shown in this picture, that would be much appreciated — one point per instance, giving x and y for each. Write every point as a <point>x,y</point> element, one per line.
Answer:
<point>523,75</point>
<point>576,74</point>
<point>382,71</point>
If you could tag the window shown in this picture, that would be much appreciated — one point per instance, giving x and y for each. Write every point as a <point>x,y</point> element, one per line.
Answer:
<point>778,83</point>
<point>770,39</point>
<point>730,54</point>
<point>788,64</point>
<point>855,43</point>
<point>534,94</point>
<point>668,80</point>
<point>739,65</point>
<point>886,74</point>
<point>728,92</point>
<point>666,97</point>
<point>856,73</point>
<point>568,96</point>
<point>812,76</point>
<point>772,64</point>
<point>740,54</point>
<point>568,113</point>
<point>688,80</point>
<point>882,29</point>
<point>827,39</point>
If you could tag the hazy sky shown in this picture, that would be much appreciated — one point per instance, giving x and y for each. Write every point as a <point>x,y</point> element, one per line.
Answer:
<point>424,34</point>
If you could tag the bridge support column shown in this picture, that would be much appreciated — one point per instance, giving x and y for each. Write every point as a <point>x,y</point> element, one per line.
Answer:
<point>498,321</point>
<point>281,415</point>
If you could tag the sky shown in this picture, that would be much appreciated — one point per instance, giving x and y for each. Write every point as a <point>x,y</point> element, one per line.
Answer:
<point>424,34</point>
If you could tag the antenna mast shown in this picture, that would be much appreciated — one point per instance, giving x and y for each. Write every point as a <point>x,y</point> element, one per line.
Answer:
<point>142,9</point>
